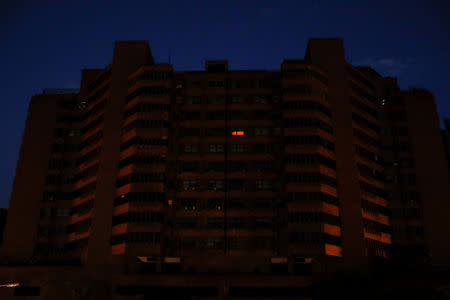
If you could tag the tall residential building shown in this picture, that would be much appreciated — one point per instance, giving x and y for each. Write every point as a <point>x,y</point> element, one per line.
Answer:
<point>219,182</point>
<point>3,213</point>
<point>446,137</point>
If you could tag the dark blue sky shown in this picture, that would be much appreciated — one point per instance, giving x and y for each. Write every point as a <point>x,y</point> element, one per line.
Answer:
<point>45,44</point>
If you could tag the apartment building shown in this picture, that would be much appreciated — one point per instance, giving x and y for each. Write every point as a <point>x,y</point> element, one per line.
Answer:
<point>226,183</point>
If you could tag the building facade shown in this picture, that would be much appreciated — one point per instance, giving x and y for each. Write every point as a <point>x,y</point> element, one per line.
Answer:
<point>446,138</point>
<point>218,182</point>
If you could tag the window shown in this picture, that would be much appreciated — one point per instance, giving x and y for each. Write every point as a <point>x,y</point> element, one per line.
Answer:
<point>140,197</point>
<point>216,185</point>
<point>191,148</point>
<point>310,140</point>
<point>140,141</point>
<point>192,100</point>
<point>236,166</point>
<point>263,222</point>
<point>216,100</point>
<point>236,203</point>
<point>214,243</point>
<point>261,131</point>
<point>263,184</point>
<point>187,241</point>
<point>62,212</point>
<point>308,122</point>
<point>236,243</point>
<point>191,131</point>
<point>215,203</point>
<point>260,99</point>
<point>236,185</point>
<point>261,148</point>
<point>237,131</point>
<point>187,222</point>
<point>216,166</point>
<point>214,222</point>
<point>190,185</point>
<point>216,148</point>
<point>193,115</point>
<point>237,148</point>
<point>216,115</point>
<point>215,131</point>
<point>262,242</point>
<point>263,165</point>
<point>140,177</point>
<point>148,90</point>
<point>195,83</point>
<point>141,123</point>
<point>74,132</point>
<point>316,196</point>
<point>297,158</point>
<point>237,115</point>
<point>263,202</point>
<point>237,84</point>
<point>190,166</point>
<point>236,223</point>
<point>138,217</point>
<point>264,115</point>
<point>188,203</point>
<point>237,99</point>
<point>46,212</point>
<point>310,178</point>
<point>307,105</point>
<point>216,83</point>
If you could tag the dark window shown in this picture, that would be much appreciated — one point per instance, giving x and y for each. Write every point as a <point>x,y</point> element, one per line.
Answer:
<point>237,99</point>
<point>187,222</point>
<point>215,132</point>
<point>192,100</point>
<point>263,203</point>
<point>214,222</point>
<point>236,203</point>
<point>145,124</point>
<point>140,197</point>
<point>307,122</point>
<point>309,140</point>
<point>140,177</point>
<point>216,83</point>
<point>147,91</point>
<point>216,115</point>
<point>216,166</point>
<point>314,196</point>
<point>191,166</point>
<point>216,100</point>
<point>140,141</point>
<point>192,115</point>
<point>215,203</point>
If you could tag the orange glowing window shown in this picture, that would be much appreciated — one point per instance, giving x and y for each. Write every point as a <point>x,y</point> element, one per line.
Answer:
<point>238,133</point>
<point>170,202</point>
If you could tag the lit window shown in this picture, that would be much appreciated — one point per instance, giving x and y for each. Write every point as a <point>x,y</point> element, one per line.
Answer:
<point>238,132</point>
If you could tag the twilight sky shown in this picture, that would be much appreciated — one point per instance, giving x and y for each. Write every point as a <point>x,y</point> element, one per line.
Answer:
<point>45,44</point>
